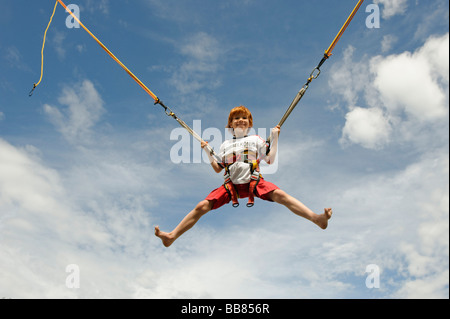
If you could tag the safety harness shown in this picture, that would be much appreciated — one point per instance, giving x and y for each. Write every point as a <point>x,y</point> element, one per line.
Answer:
<point>251,159</point>
<point>254,180</point>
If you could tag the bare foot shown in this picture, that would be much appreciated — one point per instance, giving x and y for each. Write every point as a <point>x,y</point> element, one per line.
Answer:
<point>166,238</point>
<point>322,220</point>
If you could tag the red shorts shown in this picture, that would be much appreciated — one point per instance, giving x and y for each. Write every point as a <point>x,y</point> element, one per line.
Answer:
<point>221,197</point>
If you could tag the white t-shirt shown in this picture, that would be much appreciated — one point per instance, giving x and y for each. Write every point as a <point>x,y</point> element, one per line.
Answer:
<point>241,151</point>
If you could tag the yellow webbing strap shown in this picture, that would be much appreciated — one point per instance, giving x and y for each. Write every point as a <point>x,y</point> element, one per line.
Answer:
<point>42,51</point>
<point>344,27</point>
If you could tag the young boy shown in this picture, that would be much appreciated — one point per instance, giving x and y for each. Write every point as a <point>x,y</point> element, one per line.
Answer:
<point>241,157</point>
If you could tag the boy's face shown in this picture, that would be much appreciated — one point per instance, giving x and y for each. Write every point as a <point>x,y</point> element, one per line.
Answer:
<point>240,125</point>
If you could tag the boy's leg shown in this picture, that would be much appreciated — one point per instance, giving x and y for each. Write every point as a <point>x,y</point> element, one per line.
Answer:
<point>300,209</point>
<point>187,223</point>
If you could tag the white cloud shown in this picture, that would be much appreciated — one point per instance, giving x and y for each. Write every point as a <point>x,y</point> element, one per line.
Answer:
<point>58,42</point>
<point>405,94</point>
<point>384,219</point>
<point>388,42</point>
<point>40,226</point>
<point>102,6</point>
<point>18,186</point>
<point>95,214</point>
<point>407,215</point>
<point>350,78</point>
<point>407,84</point>
<point>92,213</point>
<point>367,127</point>
<point>14,58</point>
<point>406,103</point>
<point>171,10</point>
<point>202,47</point>
<point>393,7</point>
<point>436,52</point>
<point>200,68</point>
<point>84,109</point>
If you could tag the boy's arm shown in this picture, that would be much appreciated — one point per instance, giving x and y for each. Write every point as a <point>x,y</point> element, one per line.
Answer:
<point>270,159</point>
<point>217,168</point>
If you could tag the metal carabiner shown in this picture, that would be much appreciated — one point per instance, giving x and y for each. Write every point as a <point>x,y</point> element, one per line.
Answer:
<point>315,76</point>
<point>168,112</point>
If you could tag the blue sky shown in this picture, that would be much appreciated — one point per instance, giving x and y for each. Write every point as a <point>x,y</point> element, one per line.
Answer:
<point>86,170</point>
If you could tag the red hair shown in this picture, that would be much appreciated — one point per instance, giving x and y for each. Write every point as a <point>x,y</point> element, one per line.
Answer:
<point>240,110</point>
